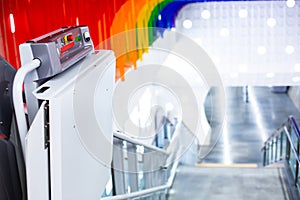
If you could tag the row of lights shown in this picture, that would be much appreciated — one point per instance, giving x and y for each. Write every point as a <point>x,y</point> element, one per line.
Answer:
<point>243,13</point>
<point>205,14</point>
<point>289,49</point>
<point>243,68</point>
<point>188,24</point>
<point>262,50</point>
<point>295,79</point>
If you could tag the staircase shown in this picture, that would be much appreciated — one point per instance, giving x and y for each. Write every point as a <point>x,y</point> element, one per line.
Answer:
<point>278,178</point>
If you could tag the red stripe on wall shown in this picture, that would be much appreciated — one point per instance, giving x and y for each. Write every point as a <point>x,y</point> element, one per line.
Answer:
<point>34,18</point>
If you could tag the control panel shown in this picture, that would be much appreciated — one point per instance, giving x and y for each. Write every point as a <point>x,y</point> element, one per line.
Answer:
<point>60,49</point>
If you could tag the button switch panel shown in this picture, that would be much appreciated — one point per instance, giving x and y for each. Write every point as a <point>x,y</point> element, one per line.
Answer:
<point>61,49</point>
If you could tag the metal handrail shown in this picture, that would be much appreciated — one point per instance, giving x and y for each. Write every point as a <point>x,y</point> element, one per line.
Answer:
<point>18,99</point>
<point>170,169</point>
<point>291,143</point>
<point>279,131</point>
<point>118,134</point>
<point>147,192</point>
<point>274,135</point>
<point>294,125</point>
<point>292,122</point>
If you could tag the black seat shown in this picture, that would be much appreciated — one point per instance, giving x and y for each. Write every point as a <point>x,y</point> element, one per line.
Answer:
<point>12,185</point>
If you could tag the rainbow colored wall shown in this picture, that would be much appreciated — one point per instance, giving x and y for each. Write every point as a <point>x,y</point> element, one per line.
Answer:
<point>23,20</point>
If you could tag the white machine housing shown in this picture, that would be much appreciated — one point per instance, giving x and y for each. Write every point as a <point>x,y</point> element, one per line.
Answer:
<point>76,170</point>
<point>68,147</point>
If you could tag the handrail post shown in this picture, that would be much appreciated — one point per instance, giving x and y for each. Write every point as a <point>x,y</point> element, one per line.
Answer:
<point>264,156</point>
<point>276,146</point>
<point>287,156</point>
<point>132,167</point>
<point>297,165</point>
<point>281,147</point>
<point>118,167</point>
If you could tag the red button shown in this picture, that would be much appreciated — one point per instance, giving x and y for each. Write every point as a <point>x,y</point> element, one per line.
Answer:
<point>70,37</point>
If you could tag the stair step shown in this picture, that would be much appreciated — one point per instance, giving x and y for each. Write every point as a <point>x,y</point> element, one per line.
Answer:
<point>233,165</point>
<point>275,165</point>
<point>228,183</point>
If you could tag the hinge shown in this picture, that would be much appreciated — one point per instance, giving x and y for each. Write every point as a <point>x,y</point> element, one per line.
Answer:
<point>46,125</point>
<point>47,142</point>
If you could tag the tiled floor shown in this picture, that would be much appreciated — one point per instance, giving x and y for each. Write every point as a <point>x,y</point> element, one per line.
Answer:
<point>247,125</point>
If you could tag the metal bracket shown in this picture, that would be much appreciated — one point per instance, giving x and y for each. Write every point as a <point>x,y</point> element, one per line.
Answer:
<point>46,126</point>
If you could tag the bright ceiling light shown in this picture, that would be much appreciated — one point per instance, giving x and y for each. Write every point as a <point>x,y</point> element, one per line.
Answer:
<point>297,67</point>
<point>271,22</point>
<point>205,14</point>
<point>12,23</point>
<point>187,24</point>
<point>290,3</point>
<point>296,79</point>
<point>261,50</point>
<point>243,13</point>
<point>289,49</point>
<point>224,32</point>
<point>270,75</point>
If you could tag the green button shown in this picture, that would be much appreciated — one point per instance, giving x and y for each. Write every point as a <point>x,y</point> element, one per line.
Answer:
<point>78,38</point>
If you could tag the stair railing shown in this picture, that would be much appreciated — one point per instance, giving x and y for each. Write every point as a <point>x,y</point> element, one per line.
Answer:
<point>283,146</point>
